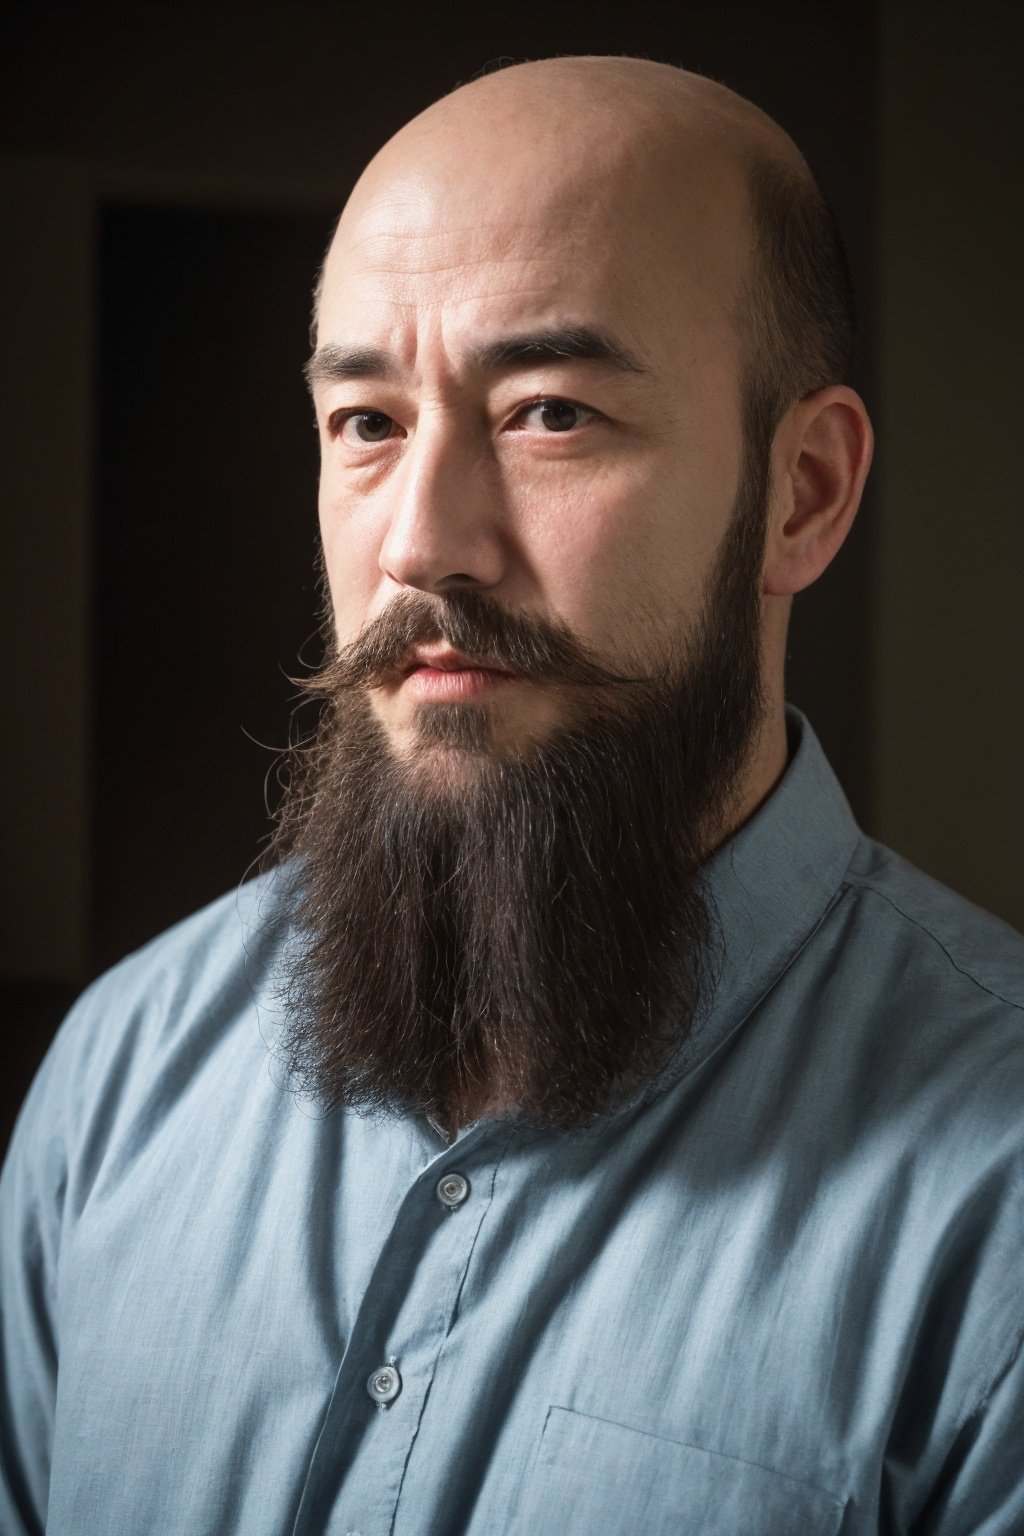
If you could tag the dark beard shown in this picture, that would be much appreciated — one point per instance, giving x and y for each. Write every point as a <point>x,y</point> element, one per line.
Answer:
<point>539,930</point>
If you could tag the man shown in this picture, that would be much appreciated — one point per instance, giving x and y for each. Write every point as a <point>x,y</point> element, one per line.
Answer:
<point>583,1127</point>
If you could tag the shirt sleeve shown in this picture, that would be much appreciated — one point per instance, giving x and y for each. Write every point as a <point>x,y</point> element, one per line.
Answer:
<point>982,1493</point>
<point>32,1188</point>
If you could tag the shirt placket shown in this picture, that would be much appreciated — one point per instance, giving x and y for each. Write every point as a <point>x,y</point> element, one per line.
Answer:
<point>355,1477</point>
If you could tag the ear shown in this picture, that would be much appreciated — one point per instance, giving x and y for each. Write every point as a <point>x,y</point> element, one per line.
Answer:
<point>820,460</point>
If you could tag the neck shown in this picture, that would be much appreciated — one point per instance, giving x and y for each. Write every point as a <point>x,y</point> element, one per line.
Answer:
<point>764,768</point>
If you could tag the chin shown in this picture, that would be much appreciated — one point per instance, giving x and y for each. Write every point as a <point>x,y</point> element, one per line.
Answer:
<point>465,736</point>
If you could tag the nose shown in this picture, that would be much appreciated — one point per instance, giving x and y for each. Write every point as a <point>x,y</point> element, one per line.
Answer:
<point>445,529</point>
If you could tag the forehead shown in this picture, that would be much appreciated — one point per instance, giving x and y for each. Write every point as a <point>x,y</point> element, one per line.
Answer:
<point>414,260</point>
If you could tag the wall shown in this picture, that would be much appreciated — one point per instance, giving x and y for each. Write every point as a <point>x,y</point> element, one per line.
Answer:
<point>948,718</point>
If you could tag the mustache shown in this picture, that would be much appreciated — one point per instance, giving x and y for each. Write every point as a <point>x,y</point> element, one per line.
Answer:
<point>474,624</point>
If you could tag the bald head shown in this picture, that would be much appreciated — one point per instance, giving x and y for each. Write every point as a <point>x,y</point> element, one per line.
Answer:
<point>595,110</point>
<point>695,177</point>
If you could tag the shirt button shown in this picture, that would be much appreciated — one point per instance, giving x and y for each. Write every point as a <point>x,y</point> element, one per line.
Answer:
<point>452,1189</point>
<point>385,1384</point>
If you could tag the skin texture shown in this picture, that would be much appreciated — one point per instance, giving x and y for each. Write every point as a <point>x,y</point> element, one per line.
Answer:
<point>607,192</point>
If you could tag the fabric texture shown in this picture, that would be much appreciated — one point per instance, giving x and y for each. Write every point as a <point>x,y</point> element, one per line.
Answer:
<point>779,1295</point>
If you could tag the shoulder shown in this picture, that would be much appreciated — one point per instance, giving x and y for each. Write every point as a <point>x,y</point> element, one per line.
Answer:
<point>196,976</point>
<point>943,936</point>
<point>940,1107</point>
<point>145,1033</point>
<point>924,994</point>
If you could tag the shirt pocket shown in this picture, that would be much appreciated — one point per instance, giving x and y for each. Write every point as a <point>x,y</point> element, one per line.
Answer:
<point>594,1476</point>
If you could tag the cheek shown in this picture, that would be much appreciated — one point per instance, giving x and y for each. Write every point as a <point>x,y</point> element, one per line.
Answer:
<point>351,551</point>
<point>622,555</point>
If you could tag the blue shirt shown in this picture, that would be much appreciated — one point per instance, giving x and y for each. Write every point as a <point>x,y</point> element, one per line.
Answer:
<point>781,1295</point>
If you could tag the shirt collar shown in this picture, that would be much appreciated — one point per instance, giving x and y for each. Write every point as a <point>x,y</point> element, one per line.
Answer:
<point>769,887</point>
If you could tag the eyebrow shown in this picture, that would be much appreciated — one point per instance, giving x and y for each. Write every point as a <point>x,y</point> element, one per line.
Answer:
<point>552,344</point>
<point>335,362</point>
<point>557,344</point>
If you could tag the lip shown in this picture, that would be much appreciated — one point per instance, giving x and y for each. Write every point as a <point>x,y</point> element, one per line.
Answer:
<point>442,658</point>
<point>441,674</point>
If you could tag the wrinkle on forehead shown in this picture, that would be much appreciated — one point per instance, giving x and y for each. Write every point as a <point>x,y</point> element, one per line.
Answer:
<point>478,283</point>
<point>626,171</point>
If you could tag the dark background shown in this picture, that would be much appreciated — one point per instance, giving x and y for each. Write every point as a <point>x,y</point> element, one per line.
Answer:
<point>171,174</point>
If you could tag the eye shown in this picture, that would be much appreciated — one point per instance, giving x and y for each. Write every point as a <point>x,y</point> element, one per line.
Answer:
<point>363,426</point>
<point>555,415</point>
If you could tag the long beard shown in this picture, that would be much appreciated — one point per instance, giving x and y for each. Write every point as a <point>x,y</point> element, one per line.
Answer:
<point>542,928</point>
